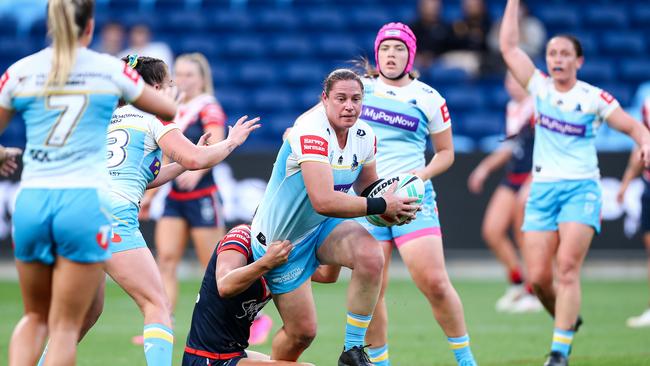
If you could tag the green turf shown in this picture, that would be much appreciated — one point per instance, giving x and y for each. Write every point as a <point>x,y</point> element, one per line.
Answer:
<point>415,339</point>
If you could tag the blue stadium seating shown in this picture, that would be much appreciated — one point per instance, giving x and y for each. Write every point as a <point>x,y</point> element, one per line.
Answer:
<point>270,56</point>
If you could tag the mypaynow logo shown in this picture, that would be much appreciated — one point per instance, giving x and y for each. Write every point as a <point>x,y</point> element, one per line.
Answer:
<point>389,118</point>
<point>562,127</point>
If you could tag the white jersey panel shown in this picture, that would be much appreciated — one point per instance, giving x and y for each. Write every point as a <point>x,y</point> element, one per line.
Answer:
<point>66,128</point>
<point>285,211</point>
<point>403,118</point>
<point>134,157</point>
<point>566,127</point>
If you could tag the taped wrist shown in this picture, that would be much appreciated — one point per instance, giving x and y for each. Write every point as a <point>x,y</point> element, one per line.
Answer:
<point>375,206</point>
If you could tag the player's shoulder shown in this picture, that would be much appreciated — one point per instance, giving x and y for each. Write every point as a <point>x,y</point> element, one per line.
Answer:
<point>238,235</point>
<point>422,91</point>
<point>31,63</point>
<point>101,61</point>
<point>312,120</point>
<point>594,93</point>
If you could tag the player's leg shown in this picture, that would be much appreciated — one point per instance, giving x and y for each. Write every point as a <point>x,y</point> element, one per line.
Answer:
<point>377,335</point>
<point>205,239</point>
<point>171,236</point>
<point>74,286</point>
<point>136,272</point>
<point>499,215</point>
<point>350,245</point>
<point>298,313</point>
<point>260,359</point>
<point>30,332</point>
<point>424,259</point>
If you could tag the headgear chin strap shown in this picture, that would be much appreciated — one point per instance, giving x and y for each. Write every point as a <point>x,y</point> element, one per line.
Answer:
<point>400,32</point>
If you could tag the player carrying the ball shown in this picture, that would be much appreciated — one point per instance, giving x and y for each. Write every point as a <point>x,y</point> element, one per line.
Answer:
<point>564,205</point>
<point>327,153</point>
<point>404,113</point>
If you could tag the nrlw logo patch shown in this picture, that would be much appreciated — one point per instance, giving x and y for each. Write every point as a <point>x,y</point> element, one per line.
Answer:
<point>312,144</point>
<point>389,118</point>
<point>445,113</point>
<point>562,127</point>
<point>608,98</point>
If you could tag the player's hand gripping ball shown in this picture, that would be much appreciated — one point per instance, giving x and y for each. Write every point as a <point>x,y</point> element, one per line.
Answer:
<point>408,185</point>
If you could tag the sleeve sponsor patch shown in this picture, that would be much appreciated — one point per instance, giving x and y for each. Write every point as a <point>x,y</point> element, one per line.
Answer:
<point>130,73</point>
<point>445,113</point>
<point>3,80</point>
<point>608,98</point>
<point>312,144</point>
<point>239,238</point>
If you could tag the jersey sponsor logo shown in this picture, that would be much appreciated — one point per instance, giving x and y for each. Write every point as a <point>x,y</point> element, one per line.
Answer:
<point>130,73</point>
<point>361,133</point>
<point>355,163</point>
<point>389,118</point>
<point>562,127</point>
<point>608,98</point>
<point>154,167</point>
<point>288,276</point>
<point>312,144</point>
<point>250,308</point>
<point>342,187</point>
<point>3,80</point>
<point>445,113</point>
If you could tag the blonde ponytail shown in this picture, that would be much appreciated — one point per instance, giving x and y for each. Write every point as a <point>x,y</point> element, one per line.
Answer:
<point>64,32</point>
<point>204,68</point>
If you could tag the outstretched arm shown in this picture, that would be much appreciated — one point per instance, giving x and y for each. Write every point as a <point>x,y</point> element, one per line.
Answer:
<point>175,145</point>
<point>518,62</point>
<point>233,274</point>
<point>633,169</point>
<point>620,120</point>
<point>492,162</point>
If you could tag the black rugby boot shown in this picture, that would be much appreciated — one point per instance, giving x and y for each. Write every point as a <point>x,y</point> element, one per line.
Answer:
<point>355,356</point>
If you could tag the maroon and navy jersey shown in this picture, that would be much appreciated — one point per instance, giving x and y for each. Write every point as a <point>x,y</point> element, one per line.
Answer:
<point>193,117</point>
<point>222,325</point>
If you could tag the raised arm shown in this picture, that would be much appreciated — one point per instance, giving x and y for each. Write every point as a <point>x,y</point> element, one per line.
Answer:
<point>175,145</point>
<point>518,62</point>
<point>233,274</point>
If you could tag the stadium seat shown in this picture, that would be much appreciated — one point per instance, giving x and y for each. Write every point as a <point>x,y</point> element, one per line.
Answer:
<point>209,46</point>
<point>233,100</point>
<point>605,17</point>
<point>291,46</point>
<point>464,97</point>
<point>482,124</point>
<point>231,21</point>
<point>440,74</point>
<point>623,43</point>
<point>249,46</point>
<point>272,100</point>
<point>589,42</point>
<point>558,16</point>
<point>277,20</point>
<point>221,73</point>
<point>338,46</point>
<point>369,18</point>
<point>257,73</point>
<point>635,70</point>
<point>597,70</point>
<point>184,21</point>
<point>463,144</point>
<point>497,97</point>
<point>309,96</point>
<point>639,15</point>
<point>305,73</point>
<point>319,18</point>
<point>8,25</point>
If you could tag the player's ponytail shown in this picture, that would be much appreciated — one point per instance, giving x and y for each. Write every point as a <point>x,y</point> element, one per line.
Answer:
<point>66,20</point>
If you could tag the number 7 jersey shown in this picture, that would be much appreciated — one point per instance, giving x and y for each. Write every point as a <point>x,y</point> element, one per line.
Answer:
<point>66,128</point>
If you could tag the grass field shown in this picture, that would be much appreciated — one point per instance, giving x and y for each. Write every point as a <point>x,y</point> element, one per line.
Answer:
<point>415,339</point>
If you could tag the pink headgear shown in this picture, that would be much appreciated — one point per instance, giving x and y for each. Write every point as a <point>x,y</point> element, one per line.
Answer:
<point>400,32</point>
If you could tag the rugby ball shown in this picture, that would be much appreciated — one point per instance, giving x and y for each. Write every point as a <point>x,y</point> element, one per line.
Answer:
<point>408,185</point>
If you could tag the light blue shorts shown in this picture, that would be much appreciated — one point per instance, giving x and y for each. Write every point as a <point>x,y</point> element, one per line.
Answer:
<point>302,261</point>
<point>126,229</point>
<point>72,223</point>
<point>426,223</point>
<point>550,203</point>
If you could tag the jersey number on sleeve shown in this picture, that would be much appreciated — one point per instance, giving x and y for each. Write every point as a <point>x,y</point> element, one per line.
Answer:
<point>71,107</point>
<point>116,143</point>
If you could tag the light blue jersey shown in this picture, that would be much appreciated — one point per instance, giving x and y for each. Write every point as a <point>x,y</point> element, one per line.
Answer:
<point>286,212</point>
<point>134,157</point>
<point>403,118</point>
<point>62,208</point>
<point>566,126</point>
<point>66,128</point>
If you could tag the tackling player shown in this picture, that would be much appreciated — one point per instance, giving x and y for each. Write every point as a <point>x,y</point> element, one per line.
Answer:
<point>327,153</point>
<point>564,205</point>
<point>232,293</point>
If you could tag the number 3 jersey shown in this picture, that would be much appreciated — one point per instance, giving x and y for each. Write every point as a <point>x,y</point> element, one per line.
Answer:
<point>66,128</point>
<point>286,212</point>
<point>134,157</point>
